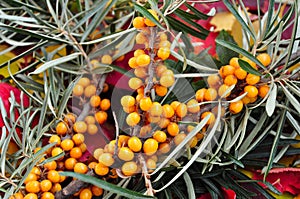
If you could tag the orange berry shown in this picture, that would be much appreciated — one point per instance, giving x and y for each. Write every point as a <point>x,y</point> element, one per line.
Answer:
<point>78,90</point>
<point>140,38</point>
<point>95,101</point>
<point>106,59</point>
<point>123,139</point>
<point>132,62</point>
<point>211,119</point>
<point>127,101</point>
<point>179,138</point>
<point>263,90</point>
<point>105,104</point>
<point>143,60</point>
<point>236,107</point>
<point>135,83</point>
<point>163,53</point>
<point>50,165</point>
<point>200,94</point>
<point>156,109</point>
<point>210,94</point>
<point>160,136</point>
<point>135,144</point>
<point>125,154</point>
<point>138,52</point>
<point>252,64</point>
<point>92,165</point>
<point>160,69</point>
<point>90,90</point>
<point>106,159</point>
<point>252,79</point>
<point>76,153</point>
<point>101,117</point>
<point>141,72</point>
<point>230,80</point>
<point>61,128</point>
<point>55,187</point>
<point>92,129</point>
<point>105,88</point>
<point>97,152</point>
<point>46,185</point>
<point>83,147</point>
<point>174,104</point>
<point>80,167</point>
<point>240,73</point>
<point>226,70</point>
<point>89,119</point>
<point>67,144</point>
<point>264,58</point>
<point>161,90</point>
<point>167,80</point>
<point>138,22</point>
<point>17,195</point>
<point>150,146</point>
<point>133,119</point>
<point>193,142</point>
<point>80,127</point>
<point>70,163</point>
<point>53,176</point>
<point>101,169</point>
<point>145,103</point>
<point>222,89</point>
<point>47,195</point>
<point>164,147</point>
<point>252,91</point>
<point>253,99</point>
<point>246,100</point>
<point>129,168</point>
<point>31,196</point>
<point>181,110</point>
<point>192,106</point>
<point>70,118</point>
<point>36,170</point>
<point>148,22</point>
<point>153,119</point>
<point>78,138</point>
<point>85,193</point>
<point>168,111</point>
<point>173,129</point>
<point>31,177</point>
<point>129,109</point>
<point>151,164</point>
<point>213,81</point>
<point>84,82</point>
<point>97,191</point>
<point>56,151</point>
<point>234,62</point>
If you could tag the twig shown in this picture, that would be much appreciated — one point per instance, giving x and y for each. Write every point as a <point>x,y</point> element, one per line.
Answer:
<point>148,184</point>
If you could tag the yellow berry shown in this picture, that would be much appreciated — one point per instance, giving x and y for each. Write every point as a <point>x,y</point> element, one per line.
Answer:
<point>252,79</point>
<point>143,60</point>
<point>150,146</point>
<point>135,144</point>
<point>106,159</point>
<point>135,83</point>
<point>133,119</point>
<point>264,58</point>
<point>163,53</point>
<point>106,59</point>
<point>125,154</point>
<point>138,22</point>
<point>129,168</point>
<point>192,106</point>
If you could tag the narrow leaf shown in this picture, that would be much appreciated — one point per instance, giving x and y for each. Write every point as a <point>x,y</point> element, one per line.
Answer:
<point>291,98</point>
<point>224,53</point>
<point>271,102</point>
<point>247,67</point>
<point>147,14</point>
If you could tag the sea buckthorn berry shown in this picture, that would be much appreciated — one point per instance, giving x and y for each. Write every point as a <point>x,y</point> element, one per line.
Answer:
<point>210,94</point>
<point>215,110</point>
<point>101,169</point>
<point>161,90</point>
<point>240,73</point>
<point>168,111</point>
<point>200,94</point>
<point>189,128</point>
<point>76,153</point>
<point>153,119</point>
<point>150,146</point>
<point>200,136</point>
<point>92,129</point>
<point>80,167</point>
<point>50,165</point>
<point>47,195</point>
<point>174,104</point>
<point>143,60</point>
<point>252,79</point>
<point>138,52</point>
<point>252,91</point>
<point>90,90</point>
<point>246,100</point>
<point>160,136</point>
<point>236,107</point>
<point>17,195</point>
<point>129,168</point>
<point>127,101</point>
<point>173,129</point>
<point>211,119</point>
<point>213,81</point>
<point>84,82</point>
<point>133,119</point>
<point>164,148</point>
<point>97,153</point>
<point>70,118</point>
<point>95,101</point>
<point>90,119</point>
<point>78,90</point>
<point>46,185</point>
<point>192,106</point>
<point>78,138</point>
<point>125,154</point>
<point>146,129</point>
<point>55,138</point>
<point>53,176</point>
<point>156,109</point>
<point>252,64</point>
<point>31,177</point>
<point>140,72</point>
<point>105,88</point>
<point>61,128</point>
<point>123,139</point>
<point>106,159</point>
<point>151,164</point>
<point>106,59</point>
<point>36,170</point>
<point>163,53</point>
<point>135,83</point>
<point>179,138</point>
<point>139,97</point>
<point>167,80</point>
<point>101,117</point>
<point>253,99</point>
<point>181,110</point>
<point>97,191</point>
<point>164,44</point>
<point>85,193</point>
<point>138,22</point>
<point>129,109</point>
<point>31,196</point>
<point>56,151</point>
<point>230,80</point>
<point>105,104</point>
<point>145,104</point>
<point>55,187</point>
<point>193,142</point>
<point>226,70</point>
<point>132,62</point>
<point>135,144</point>
<point>70,163</point>
<point>168,72</point>
<point>80,127</point>
<point>163,36</point>
<point>160,69</point>
<point>148,22</point>
<point>67,144</point>
<point>222,89</point>
<point>83,147</point>
<point>234,62</point>
<point>264,58</point>
<point>263,90</point>
<point>92,165</point>
<point>140,38</point>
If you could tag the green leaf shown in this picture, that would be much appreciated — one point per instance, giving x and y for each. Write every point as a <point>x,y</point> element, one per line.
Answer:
<point>224,53</point>
<point>106,185</point>
<point>247,67</point>
<point>189,186</point>
<point>196,12</point>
